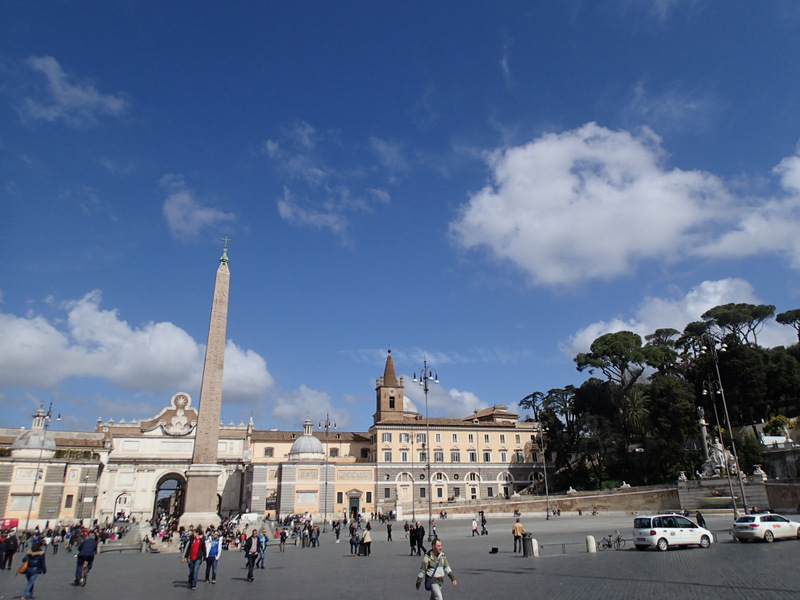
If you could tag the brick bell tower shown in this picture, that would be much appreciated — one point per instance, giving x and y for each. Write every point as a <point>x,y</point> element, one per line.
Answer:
<point>388,393</point>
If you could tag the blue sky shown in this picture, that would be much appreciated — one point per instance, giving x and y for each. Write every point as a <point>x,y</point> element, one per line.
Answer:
<point>486,185</point>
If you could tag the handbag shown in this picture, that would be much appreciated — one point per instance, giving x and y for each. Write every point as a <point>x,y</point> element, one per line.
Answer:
<point>22,568</point>
<point>429,578</point>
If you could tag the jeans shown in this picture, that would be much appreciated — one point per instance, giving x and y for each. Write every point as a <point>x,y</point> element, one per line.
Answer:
<point>28,593</point>
<point>436,591</point>
<point>79,565</point>
<point>251,562</point>
<point>517,542</point>
<point>211,568</point>
<point>194,571</point>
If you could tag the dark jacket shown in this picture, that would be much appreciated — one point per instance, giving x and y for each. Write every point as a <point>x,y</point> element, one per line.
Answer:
<point>88,547</point>
<point>10,545</point>
<point>251,545</point>
<point>36,563</point>
<point>201,549</point>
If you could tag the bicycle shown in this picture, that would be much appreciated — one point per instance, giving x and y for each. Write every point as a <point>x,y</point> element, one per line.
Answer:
<point>615,541</point>
<point>84,576</point>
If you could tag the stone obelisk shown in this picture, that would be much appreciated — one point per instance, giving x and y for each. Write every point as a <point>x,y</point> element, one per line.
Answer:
<point>202,477</point>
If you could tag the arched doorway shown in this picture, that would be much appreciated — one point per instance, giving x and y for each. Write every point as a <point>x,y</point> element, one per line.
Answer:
<point>168,504</point>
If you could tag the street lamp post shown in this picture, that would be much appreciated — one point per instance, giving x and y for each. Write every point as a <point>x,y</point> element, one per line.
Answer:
<point>413,497</point>
<point>45,425</point>
<point>427,374</point>
<point>710,388</point>
<point>544,470</point>
<point>712,348</point>
<point>327,426</point>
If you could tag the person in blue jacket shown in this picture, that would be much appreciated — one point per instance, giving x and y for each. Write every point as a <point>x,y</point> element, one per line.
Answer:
<point>36,566</point>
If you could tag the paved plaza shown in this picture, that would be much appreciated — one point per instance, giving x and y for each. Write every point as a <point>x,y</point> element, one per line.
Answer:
<point>563,571</point>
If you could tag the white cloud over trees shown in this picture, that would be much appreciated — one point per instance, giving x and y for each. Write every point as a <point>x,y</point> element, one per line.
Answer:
<point>593,203</point>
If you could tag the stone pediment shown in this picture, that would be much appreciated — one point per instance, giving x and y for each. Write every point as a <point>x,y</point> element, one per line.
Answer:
<point>178,419</point>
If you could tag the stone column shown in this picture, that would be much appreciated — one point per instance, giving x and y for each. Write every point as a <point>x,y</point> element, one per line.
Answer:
<point>202,477</point>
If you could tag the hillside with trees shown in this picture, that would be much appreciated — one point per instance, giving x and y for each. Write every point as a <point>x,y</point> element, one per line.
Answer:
<point>636,418</point>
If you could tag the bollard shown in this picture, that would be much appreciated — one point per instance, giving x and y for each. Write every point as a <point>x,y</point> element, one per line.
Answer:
<point>534,548</point>
<point>591,545</point>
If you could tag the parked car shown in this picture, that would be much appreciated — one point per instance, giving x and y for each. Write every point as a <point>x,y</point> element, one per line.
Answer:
<point>764,526</point>
<point>664,531</point>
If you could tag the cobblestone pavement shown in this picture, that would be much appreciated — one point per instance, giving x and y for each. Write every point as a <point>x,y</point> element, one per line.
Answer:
<point>726,570</point>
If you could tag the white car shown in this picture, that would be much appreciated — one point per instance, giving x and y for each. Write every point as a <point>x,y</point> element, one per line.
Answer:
<point>664,531</point>
<point>764,526</point>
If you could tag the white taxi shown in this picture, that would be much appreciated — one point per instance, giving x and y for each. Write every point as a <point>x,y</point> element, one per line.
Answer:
<point>665,531</point>
<point>764,526</point>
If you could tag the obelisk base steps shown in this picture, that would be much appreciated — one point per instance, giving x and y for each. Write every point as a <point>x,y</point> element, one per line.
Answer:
<point>202,487</point>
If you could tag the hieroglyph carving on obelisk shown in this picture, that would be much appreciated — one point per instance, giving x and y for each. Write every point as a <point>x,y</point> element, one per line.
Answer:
<point>202,478</point>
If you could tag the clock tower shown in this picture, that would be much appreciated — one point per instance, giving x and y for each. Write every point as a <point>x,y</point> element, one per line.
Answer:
<point>389,393</point>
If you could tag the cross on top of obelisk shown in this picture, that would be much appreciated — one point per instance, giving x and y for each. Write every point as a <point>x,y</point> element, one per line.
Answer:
<point>224,258</point>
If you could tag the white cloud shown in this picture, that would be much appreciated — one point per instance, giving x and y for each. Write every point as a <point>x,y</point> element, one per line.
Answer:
<point>389,154</point>
<point>291,409</point>
<point>673,108</point>
<point>185,217</point>
<point>676,313</point>
<point>292,211</point>
<point>95,343</point>
<point>443,402</point>
<point>77,104</point>
<point>327,183</point>
<point>766,226</point>
<point>592,203</point>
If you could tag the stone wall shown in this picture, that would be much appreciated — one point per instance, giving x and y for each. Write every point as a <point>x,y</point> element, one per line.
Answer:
<point>628,499</point>
<point>784,495</point>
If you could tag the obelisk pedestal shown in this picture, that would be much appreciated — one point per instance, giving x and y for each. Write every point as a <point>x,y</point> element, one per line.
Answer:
<point>202,477</point>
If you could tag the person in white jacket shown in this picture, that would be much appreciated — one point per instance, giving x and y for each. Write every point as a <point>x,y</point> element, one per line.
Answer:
<point>213,552</point>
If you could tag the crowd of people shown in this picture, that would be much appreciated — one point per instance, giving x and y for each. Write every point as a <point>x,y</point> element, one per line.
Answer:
<point>33,545</point>
<point>203,546</point>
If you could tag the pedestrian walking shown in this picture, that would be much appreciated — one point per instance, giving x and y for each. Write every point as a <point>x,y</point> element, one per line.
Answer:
<point>213,552</point>
<point>411,534</point>
<point>194,554</point>
<point>433,569</point>
<point>283,538</point>
<point>420,539</point>
<point>517,530</point>
<point>474,527</point>
<point>700,520</point>
<point>37,565</point>
<point>10,546</point>
<point>263,538</point>
<point>251,552</point>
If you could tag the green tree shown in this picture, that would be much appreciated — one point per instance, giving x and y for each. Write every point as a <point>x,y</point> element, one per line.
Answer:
<point>749,451</point>
<point>782,378</point>
<point>663,349</point>
<point>778,425</point>
<point>673,422</point>
<point>741,320</point>
<point>791,318</point>
<point>619,355</point>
